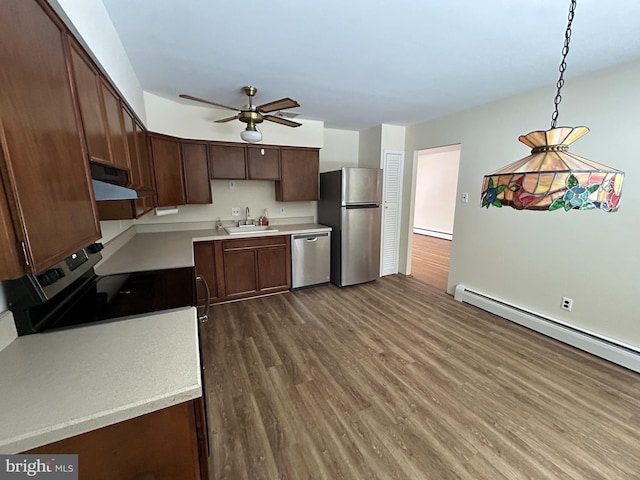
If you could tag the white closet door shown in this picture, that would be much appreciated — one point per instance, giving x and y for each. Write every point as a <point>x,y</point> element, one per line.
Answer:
<point>392,200</point>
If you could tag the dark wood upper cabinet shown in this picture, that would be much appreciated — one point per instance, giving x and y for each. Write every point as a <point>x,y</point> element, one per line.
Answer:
<point>43,166</point>
<point>141,175</point>
<point>228,161</point>
<point>197,180</point>
<point>299,175</point>
<point>144,204</point>
<point>263,163</point>
<point>115,126</point>
<point>167,167</point>
<point>88,91</point>
<point>129,127</point>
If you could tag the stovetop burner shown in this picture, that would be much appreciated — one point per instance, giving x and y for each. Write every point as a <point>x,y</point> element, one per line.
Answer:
<point>91,298</point>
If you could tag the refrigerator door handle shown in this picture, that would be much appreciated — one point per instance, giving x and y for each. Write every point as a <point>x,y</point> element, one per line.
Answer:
<point>352,206</point>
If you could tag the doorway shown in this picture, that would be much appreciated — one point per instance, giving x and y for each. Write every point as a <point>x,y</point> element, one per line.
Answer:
<point>434,210</point>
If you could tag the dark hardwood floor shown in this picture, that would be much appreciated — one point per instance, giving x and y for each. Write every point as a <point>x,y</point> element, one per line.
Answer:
<point>430,260</point>
<point>395,380</point>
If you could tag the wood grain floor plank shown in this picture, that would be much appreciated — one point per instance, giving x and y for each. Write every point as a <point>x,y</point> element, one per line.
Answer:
<point>395,380</point>
<point>430,260</point>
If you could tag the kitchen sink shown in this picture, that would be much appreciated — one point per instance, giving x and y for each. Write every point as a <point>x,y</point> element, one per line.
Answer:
<point>250,229</point>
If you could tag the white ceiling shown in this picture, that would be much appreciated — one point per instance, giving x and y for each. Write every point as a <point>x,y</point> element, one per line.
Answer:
<point>355,64</point>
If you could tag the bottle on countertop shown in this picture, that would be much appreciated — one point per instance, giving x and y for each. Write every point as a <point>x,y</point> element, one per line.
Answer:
<point>265,218</point>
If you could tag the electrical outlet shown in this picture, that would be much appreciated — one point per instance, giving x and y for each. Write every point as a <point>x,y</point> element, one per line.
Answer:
<point>235,212</point>
<point>232,185</point>
<point>282,210</point>
<point>465,198</point>
<point>567,304</point>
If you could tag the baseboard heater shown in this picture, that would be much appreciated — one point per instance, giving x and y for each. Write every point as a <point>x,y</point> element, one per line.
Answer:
<point>602,347</point>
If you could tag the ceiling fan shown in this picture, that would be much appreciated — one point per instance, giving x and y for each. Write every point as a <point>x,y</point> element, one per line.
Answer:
<point>252,115</point>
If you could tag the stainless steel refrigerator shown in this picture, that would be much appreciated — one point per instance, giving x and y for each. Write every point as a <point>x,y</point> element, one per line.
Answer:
<point>350,203</point>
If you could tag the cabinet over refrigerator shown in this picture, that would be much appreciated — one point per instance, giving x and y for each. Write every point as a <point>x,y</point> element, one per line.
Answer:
<point>350,203</point>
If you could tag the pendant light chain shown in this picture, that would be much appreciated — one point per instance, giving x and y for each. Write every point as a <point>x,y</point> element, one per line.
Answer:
<point>563,64</point>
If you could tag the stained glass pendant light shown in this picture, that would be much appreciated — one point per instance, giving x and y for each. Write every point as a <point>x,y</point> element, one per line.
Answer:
<point>551,178</point>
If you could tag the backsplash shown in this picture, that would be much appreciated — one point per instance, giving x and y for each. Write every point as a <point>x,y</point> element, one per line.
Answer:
<point>257,195</point>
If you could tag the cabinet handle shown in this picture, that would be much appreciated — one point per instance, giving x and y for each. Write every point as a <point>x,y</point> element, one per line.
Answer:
<point>24,252</point>
<point>205,316</point>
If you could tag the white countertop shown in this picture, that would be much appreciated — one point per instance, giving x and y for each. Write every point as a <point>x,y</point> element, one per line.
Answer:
<point>174,249</point>
<point>63,383</point>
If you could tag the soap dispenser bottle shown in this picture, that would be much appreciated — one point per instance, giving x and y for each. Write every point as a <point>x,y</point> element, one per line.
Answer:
<point>265,218</point>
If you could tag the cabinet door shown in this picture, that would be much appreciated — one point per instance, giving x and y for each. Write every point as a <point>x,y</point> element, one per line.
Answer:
<point>204,256</point>
<point>115,126</point>
<point>45,170</point>
<point>129,127</point>
<point>167,167</point>
<point>274,272</point>
<point>240,275</point>
<point>196,172</point>
<point>87,86</point>
<point>299,175</point>
<point>144,204</point>
<point>163,443</point>
<point>227,161</point>
<point>263,163</point>
<point>11,263</point>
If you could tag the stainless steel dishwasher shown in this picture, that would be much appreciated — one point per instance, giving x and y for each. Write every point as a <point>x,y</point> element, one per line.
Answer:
<point>310,259</point>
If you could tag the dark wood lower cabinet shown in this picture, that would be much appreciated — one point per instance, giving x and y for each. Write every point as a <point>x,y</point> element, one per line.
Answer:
<point>207,263</point>
<point>240,273</point>
<point>273,271</point>
<point>168,443</point>
<point>244,267</point>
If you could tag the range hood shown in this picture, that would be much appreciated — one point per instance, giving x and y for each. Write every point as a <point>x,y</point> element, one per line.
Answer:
<point>110,184</point>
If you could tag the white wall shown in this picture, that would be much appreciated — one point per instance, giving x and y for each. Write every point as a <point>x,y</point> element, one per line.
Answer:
<point>89,19</point>
<point>370,147</point>
<point>112,228</point>
<point>255,194</point>
<point>532,259</point>
<point>392,138</point>
<point>196,122</point>
<point>436,183</point>
<point>375,140</point>
<point>340,149</point>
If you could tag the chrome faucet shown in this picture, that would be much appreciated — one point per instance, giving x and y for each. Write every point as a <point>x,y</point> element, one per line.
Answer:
<point>246,216</point>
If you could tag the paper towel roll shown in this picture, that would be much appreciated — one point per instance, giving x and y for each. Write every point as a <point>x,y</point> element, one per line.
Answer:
<point>161,211</point>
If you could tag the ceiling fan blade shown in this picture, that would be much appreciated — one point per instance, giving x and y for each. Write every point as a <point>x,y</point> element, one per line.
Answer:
<point>228,119</point>
<point>281,104</point>
<point>190,97</point>
<point>283,121</point>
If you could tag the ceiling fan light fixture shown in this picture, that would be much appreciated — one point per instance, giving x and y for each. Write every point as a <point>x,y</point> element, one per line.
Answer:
<point>251,134</point>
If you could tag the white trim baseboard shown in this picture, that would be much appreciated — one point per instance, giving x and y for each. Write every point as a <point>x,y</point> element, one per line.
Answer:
<point>432,233</point>
<point>609,349</point>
